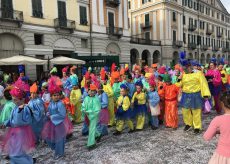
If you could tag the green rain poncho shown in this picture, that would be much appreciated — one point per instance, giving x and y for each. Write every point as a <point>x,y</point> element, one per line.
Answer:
<point>6,111</point>
<point>91,107</point>
<point>116,90</point>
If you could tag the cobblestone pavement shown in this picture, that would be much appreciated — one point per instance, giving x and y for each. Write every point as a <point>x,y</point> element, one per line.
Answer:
<point>163,146</point>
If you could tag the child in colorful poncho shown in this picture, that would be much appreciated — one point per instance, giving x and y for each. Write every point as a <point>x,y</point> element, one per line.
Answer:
<point>55,129</point>
<point>153,103</point>
<point>75,100</point>
<point>37,107</point>
<point>91,108</point>
<point>19,139</point>
<point>8,107</point>
<point>104,114</point>
<point>109,91</point>
<point>124,112</point>
<point>171,109</point>
<point>140,108</point>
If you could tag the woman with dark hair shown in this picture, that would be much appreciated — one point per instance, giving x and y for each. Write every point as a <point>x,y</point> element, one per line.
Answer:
<point>220,126</point>
<point>213,77</point>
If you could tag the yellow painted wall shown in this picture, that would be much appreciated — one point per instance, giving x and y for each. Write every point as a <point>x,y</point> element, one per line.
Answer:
<point>50,12</point>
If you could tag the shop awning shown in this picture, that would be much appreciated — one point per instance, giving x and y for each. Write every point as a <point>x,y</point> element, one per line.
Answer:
<point>22,60</point>
<point>62,60</point>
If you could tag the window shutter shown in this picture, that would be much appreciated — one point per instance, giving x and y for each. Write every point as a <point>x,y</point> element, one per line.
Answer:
<point>83,15</point>
<point>37,8</point>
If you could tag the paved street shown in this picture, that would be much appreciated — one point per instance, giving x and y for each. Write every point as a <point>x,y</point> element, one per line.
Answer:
<point>163,146</point>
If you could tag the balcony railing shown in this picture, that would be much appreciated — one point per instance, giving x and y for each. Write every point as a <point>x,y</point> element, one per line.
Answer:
<point>145,41</point>
<point>11,15</point>
<point>192,46</point>
<point>177,43</point>
<point>215,48</point>
<point>191,27</point>
<point>146,25</point>
<point>83,22</point>
<point>113,3</point>
<point>219,35</point>
<point>209,31</point>
<point>114,31</point>
<point>225,49</point>
<point>64,24</point>
<point>204,47</point>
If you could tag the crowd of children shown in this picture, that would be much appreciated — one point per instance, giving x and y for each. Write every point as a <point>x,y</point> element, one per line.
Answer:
<point>46,111</point>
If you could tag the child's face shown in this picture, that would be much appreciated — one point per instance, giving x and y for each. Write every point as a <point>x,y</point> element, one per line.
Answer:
<point>64,74</point>
<point>116,80</point>
<point>151,88</point>
<point>92,93</point>
<point>123,92</point>
<point>33,95</point>
<point>220,67</point>
<point>167,83</point>
<point>138,88</point>
<point>55,97</point>
<point>17,101</point>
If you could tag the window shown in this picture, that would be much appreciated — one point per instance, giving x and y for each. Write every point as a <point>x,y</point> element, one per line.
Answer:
<point>190,21</point>
<point>174,35</point>
<point>198,40</point>
<point>217,15</point>
<point>111,19</point>
<point>184,20</point>
<point>196,6</point>
<point>184,2</point>
<point>145,1</point>
<point>190,3</point>
<point>62,14</point>
<point>147,20</point>
<point>189,38</point>
<point>84,43</point>
<point>147,35</point>
<point>207,11</point>
<point>202,8</point>
<point>213,13</point>
<point>37,8</point>
<point>129,5</point>
<point>83,15</point>
<point>184,38</point>
<point>174,16</point>
<point>222,17</point>
<point>195,24</point>
<point>38,39</point>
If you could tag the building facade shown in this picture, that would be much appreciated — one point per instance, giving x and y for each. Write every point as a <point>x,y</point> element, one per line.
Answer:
<point>74,28</point>
<point>199,27</point>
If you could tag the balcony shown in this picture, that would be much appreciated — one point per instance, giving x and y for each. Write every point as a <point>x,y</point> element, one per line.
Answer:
<point>225,49</point>
<point>13,16</point>
<point>145,41</point>
<point>192,46</point>
<point>113,3</point>
<point>209,31</point>
<point>146,25</point>
<point>219,35</point>
<point>63,24</point>
<point>114,31</point>
<point>177,44</point>
<point>191,27</point>
<point>204,47</point>
<point>215,48</point>
<point>83,22</point>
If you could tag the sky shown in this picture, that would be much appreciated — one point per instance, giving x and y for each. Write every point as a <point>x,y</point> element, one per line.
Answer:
<point>226,3</point>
